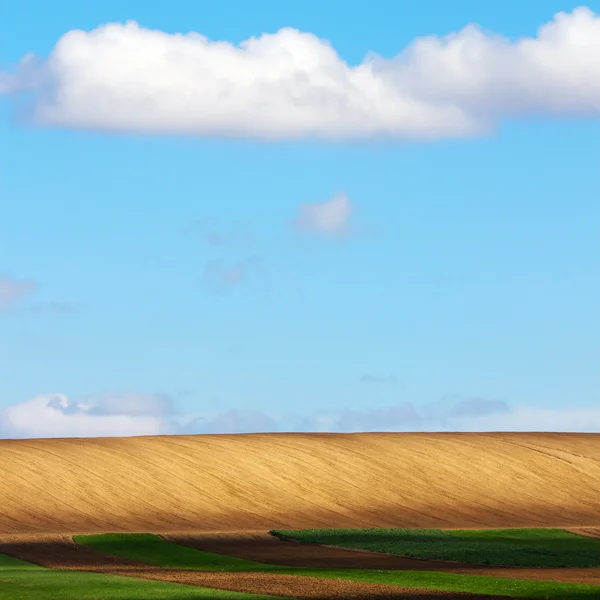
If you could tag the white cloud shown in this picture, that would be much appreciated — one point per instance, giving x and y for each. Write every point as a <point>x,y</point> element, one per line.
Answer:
<point>293,84</point>
<point>451,414</point>
<point>12,290</point>
<point>536,419</point>
<point>325,218</point>
<point>54,415</point>
<point>24,78</point>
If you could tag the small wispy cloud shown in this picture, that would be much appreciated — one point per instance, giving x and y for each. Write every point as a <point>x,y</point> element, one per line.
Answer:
<point>219,276</point>
<point>227,238</point>
<point>13,290</point>
<point>222,235</point>
<point>328,218</point>
<point>231,251</point>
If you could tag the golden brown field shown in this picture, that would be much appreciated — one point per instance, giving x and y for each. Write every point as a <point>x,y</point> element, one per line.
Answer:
<point>262,481</point>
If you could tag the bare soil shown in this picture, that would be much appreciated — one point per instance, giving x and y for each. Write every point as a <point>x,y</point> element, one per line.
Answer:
<point>267,481</point>
<point>587,531</point>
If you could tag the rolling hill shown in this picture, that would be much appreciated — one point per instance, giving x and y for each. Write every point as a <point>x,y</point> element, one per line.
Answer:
<point>262,481</point>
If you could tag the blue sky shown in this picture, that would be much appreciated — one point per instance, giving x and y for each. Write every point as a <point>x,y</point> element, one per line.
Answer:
<point>160,273</point>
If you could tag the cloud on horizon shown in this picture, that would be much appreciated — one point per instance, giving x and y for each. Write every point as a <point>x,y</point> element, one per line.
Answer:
<point>55,415</point>
<point>292,84</point>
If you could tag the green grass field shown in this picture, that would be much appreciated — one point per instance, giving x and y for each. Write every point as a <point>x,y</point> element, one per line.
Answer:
<point>153,549</point>
<point>23,581</point>
<point>502,547</point>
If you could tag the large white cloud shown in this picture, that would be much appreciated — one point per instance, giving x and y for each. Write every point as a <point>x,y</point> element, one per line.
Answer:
<point>292,84</point>
<point>55,415</point>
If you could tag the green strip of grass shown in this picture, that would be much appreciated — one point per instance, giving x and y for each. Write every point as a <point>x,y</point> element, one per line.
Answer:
<point>155,550</point>
<point>23,581</point>
<point>502,547</point>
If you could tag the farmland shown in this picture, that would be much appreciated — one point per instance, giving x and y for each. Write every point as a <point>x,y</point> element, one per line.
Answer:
<point>299,481</point>
<point>24,581</point>
<point>371,516</point>
<point>506,547</point>
<point>170,562</point>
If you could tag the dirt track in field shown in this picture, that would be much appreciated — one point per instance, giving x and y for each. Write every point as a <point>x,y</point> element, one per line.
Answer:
<point>587,531</point>
<point>263,547</point>
<point>60,552</point>
<point>232,482</point>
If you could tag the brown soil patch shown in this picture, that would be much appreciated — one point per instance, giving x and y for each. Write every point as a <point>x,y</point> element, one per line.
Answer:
<point>227,482</point>
<point>586,531</point>
<point>263,547</point>
<point>60,552</point>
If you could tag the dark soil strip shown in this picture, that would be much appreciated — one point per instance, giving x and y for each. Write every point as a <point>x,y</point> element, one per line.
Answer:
<point>265,548</point>
<point>262,547</point>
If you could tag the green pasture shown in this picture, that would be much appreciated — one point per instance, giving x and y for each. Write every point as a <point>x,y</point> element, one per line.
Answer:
<point>23,581</point>
<point>501,547</point>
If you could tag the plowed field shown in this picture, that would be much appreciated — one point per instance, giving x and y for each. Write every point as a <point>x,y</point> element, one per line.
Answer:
<point>264,481</point>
